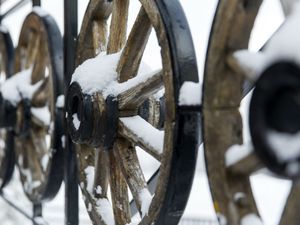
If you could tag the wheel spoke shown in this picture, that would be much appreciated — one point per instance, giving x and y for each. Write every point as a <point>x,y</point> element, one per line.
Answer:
<point>134,48</point>
<point>241,159</point>
<point>141,133</point>
<point>118,26</point>
<point>99,36</point>
<point>41,95</point>
<point>153,111</point>
<point>141,88</point>
<point>101,173</point>
<point>126,154</point>
<point>32,48</point>
<point>119,192</point>
<point>246,165</point>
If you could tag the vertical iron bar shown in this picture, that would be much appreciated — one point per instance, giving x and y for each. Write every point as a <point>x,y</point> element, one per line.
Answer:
<point>36,2</point>
<point>37,211</point>
<point>71,180</point>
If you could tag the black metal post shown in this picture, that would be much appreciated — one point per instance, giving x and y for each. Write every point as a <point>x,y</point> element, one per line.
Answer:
<point>70,178</point>
<point>36,2</point>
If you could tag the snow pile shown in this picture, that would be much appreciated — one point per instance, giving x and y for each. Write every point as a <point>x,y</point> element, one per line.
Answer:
<point>237,152</point>
<point>60,101</point>
<point>145,131</point>
<point>99,74</point>
<point>145,198</point>
<point>42,114</point>
<point>40,11</point>
<point>282,46</point>
<point>190,93</point>
<point>90,174</point>
<point>45,161</point>
<point>251,219</point>
<point>105,211</point>
<point>76,121</point>
<point>19,87</point>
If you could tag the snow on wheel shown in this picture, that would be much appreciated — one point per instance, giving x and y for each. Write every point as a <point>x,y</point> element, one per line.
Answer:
<point>229,71</point>
<point>7,156</point>
<point>117,109</point>
<point>34,91</point>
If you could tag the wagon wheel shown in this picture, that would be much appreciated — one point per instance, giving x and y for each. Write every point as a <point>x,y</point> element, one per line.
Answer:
<point>7,157</point>
<point>228,165</point>
<point>107,128</point>
<point>38,122</point>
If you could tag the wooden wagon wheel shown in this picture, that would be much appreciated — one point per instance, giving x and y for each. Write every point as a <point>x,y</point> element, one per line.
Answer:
<point>38,128</point>
<point>7,156</point>
<point>228,165</point>
<point>107,128</point>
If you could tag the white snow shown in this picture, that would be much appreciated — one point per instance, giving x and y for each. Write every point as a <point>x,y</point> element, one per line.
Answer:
<point>237,152</point>
<point>19,86</point>
<point>145,131</point>
<point>99,74</point>
<point>90,174</point>
<point>40,11</point>
<point>60,101</point>
<point>190,93</point>
<point>145,198</point>
<point>251,219</point>
<point>105,211</point>
<point>76,121</point>
<point>98,190</point>
<point>286,146</point>
<point>63,141</point>
<point>282,46</point>
<point>159,94</point>
<point>251,62</point>
<point>42,114</point>
<point>45,161</point>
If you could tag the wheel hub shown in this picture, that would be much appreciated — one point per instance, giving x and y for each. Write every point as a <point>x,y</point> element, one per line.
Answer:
<point>274,118</point>
<point>91,119</point>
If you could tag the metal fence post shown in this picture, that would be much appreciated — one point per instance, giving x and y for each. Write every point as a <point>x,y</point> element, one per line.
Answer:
<point>70,178</point>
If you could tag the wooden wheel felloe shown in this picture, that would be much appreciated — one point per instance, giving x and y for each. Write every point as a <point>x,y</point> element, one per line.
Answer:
<point>229,166</point>
<point>7,158</point>
<point>104,120</point>
<point>38,123</point>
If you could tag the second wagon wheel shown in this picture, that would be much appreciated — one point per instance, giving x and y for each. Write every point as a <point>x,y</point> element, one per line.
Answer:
<point>103,113</point>
<point>38,64</point>
<point>229,162</point>
<point>7,158</point>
